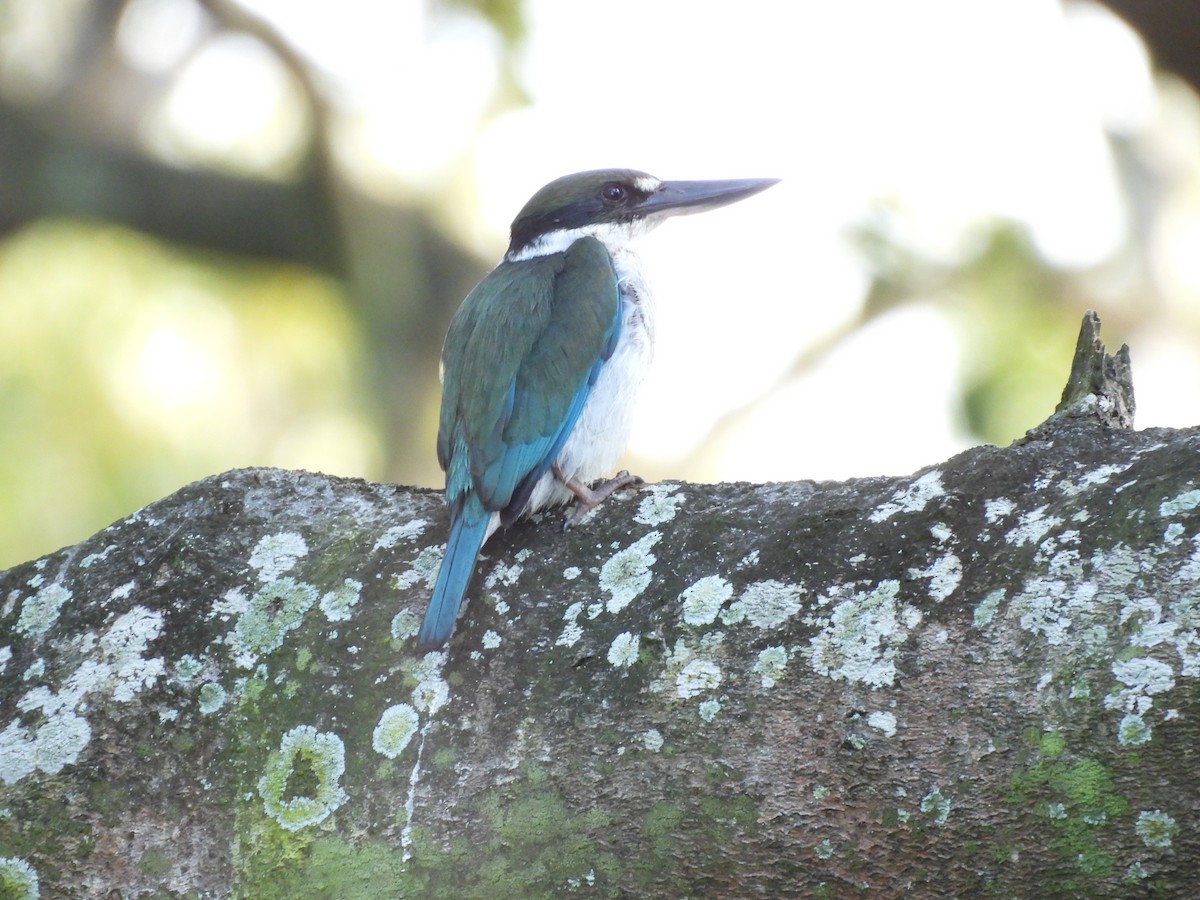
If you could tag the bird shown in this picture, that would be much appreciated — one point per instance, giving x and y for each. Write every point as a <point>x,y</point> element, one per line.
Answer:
<point>543,360</point>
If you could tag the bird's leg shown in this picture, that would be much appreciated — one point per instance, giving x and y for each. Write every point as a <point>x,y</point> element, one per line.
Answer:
<point>588,497</point>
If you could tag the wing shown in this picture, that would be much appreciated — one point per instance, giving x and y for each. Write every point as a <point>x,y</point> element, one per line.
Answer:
<point>520,359</point>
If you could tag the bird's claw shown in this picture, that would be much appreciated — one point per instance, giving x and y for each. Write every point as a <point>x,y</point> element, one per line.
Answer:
<point>587,498</point>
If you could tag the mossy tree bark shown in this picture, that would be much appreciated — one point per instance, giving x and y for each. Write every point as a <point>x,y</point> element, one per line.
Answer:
<point>980,679</point>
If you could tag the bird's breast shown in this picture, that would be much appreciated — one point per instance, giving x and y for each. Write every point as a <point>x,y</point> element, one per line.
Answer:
<point>601,434</point>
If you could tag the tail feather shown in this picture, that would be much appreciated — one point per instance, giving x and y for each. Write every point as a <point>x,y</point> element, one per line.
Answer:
<point>467,534</point>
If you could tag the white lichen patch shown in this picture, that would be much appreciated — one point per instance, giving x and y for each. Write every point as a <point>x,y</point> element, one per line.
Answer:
<point>432,692</point>
<point>431,695</point>
<point>570,573</point>
<point>770,665</point>
<point>937,805</point>
<point>1000,508</point>
<point>491,640</point>
<point>860,639</point>
<point>1190,570</point>
<point>734,613</point>
<point>1152,628</point>
<point>424,568</point>
<point>92,558</point>
<point>944,575</point>
<point>573,631</point>
<point>230,605</point>
<point>316,756</point>
<point>1156,829</point>
<point>1136,872</point>
<point>124,669</point>
<point>397,533</point>
<point>405,624</point>
<point>708,710</point>
<point>768,604</point>
<point>1098,475</point>
<point>623,652</point>
<point>277,608</point>
<point>1119,566</point>
<point>913,498</point>
<point>627,572</point>
<point>40,612</point>
<point>588,878</point>
<point>1142,677</point>
<point>704,599</point>
<point>116,666</point>
<point>51,747</point>
<point>5,655</point>
<point>210,698</point>
<point>652,740</point>
<point>18,879</point>
<point>1187,643</point>
<point>680,655</point>
<point>121,591</point>
<point>987,608</point>
<point>1133,730</point>
<point>884,721</point>
<point>395,730</point>
<point>276,554</point>
<point>338,603</point>
<point>1032,527</point>
<point>502,574</point>
<point>1180,503</point>
<point>658,505</point>
<point>697,677</point>
<point>1050,606</point>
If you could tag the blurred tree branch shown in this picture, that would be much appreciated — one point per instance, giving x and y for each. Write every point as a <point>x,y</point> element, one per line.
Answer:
<point>48,167</point>
<point>1170,28</point>
<point>76,152</point>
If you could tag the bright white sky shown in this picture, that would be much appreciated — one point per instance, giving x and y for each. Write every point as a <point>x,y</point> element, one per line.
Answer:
<point>952,111</point>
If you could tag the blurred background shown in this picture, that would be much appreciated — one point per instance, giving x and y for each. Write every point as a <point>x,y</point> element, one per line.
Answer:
<point>232,232</point>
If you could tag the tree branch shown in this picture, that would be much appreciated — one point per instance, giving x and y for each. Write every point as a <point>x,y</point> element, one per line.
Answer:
<point>980,679</point>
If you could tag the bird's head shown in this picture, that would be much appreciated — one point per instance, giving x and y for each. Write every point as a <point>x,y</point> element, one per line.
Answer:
<point>614,205</point>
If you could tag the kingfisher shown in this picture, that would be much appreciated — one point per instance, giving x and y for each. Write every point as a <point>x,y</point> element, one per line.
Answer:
<point>544,358</point>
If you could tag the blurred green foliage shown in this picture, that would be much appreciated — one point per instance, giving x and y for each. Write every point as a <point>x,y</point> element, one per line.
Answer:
<point>129,367</point>
<point>1016,316</point>
<point>1020,326</point>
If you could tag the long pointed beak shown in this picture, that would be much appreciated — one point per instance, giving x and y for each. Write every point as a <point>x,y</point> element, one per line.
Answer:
<point>678,198</point>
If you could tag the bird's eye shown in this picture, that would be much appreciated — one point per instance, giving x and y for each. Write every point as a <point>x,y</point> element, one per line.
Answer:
<point>612,193</point>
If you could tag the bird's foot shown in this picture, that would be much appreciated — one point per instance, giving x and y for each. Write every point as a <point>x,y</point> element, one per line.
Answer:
<point>587,498</point>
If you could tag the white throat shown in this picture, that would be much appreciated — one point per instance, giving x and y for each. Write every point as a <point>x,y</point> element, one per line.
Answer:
<point>616,236</point>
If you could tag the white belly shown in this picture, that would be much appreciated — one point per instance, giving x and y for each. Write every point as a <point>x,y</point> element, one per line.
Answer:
<point>600,435</point>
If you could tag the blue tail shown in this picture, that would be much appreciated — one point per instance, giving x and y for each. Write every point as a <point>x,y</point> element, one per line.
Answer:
<point>467,532</point>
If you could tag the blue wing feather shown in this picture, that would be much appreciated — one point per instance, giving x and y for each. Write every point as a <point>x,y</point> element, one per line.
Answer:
<point>467,532</point>
<point>525,487</point>
<point>520,360</point>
